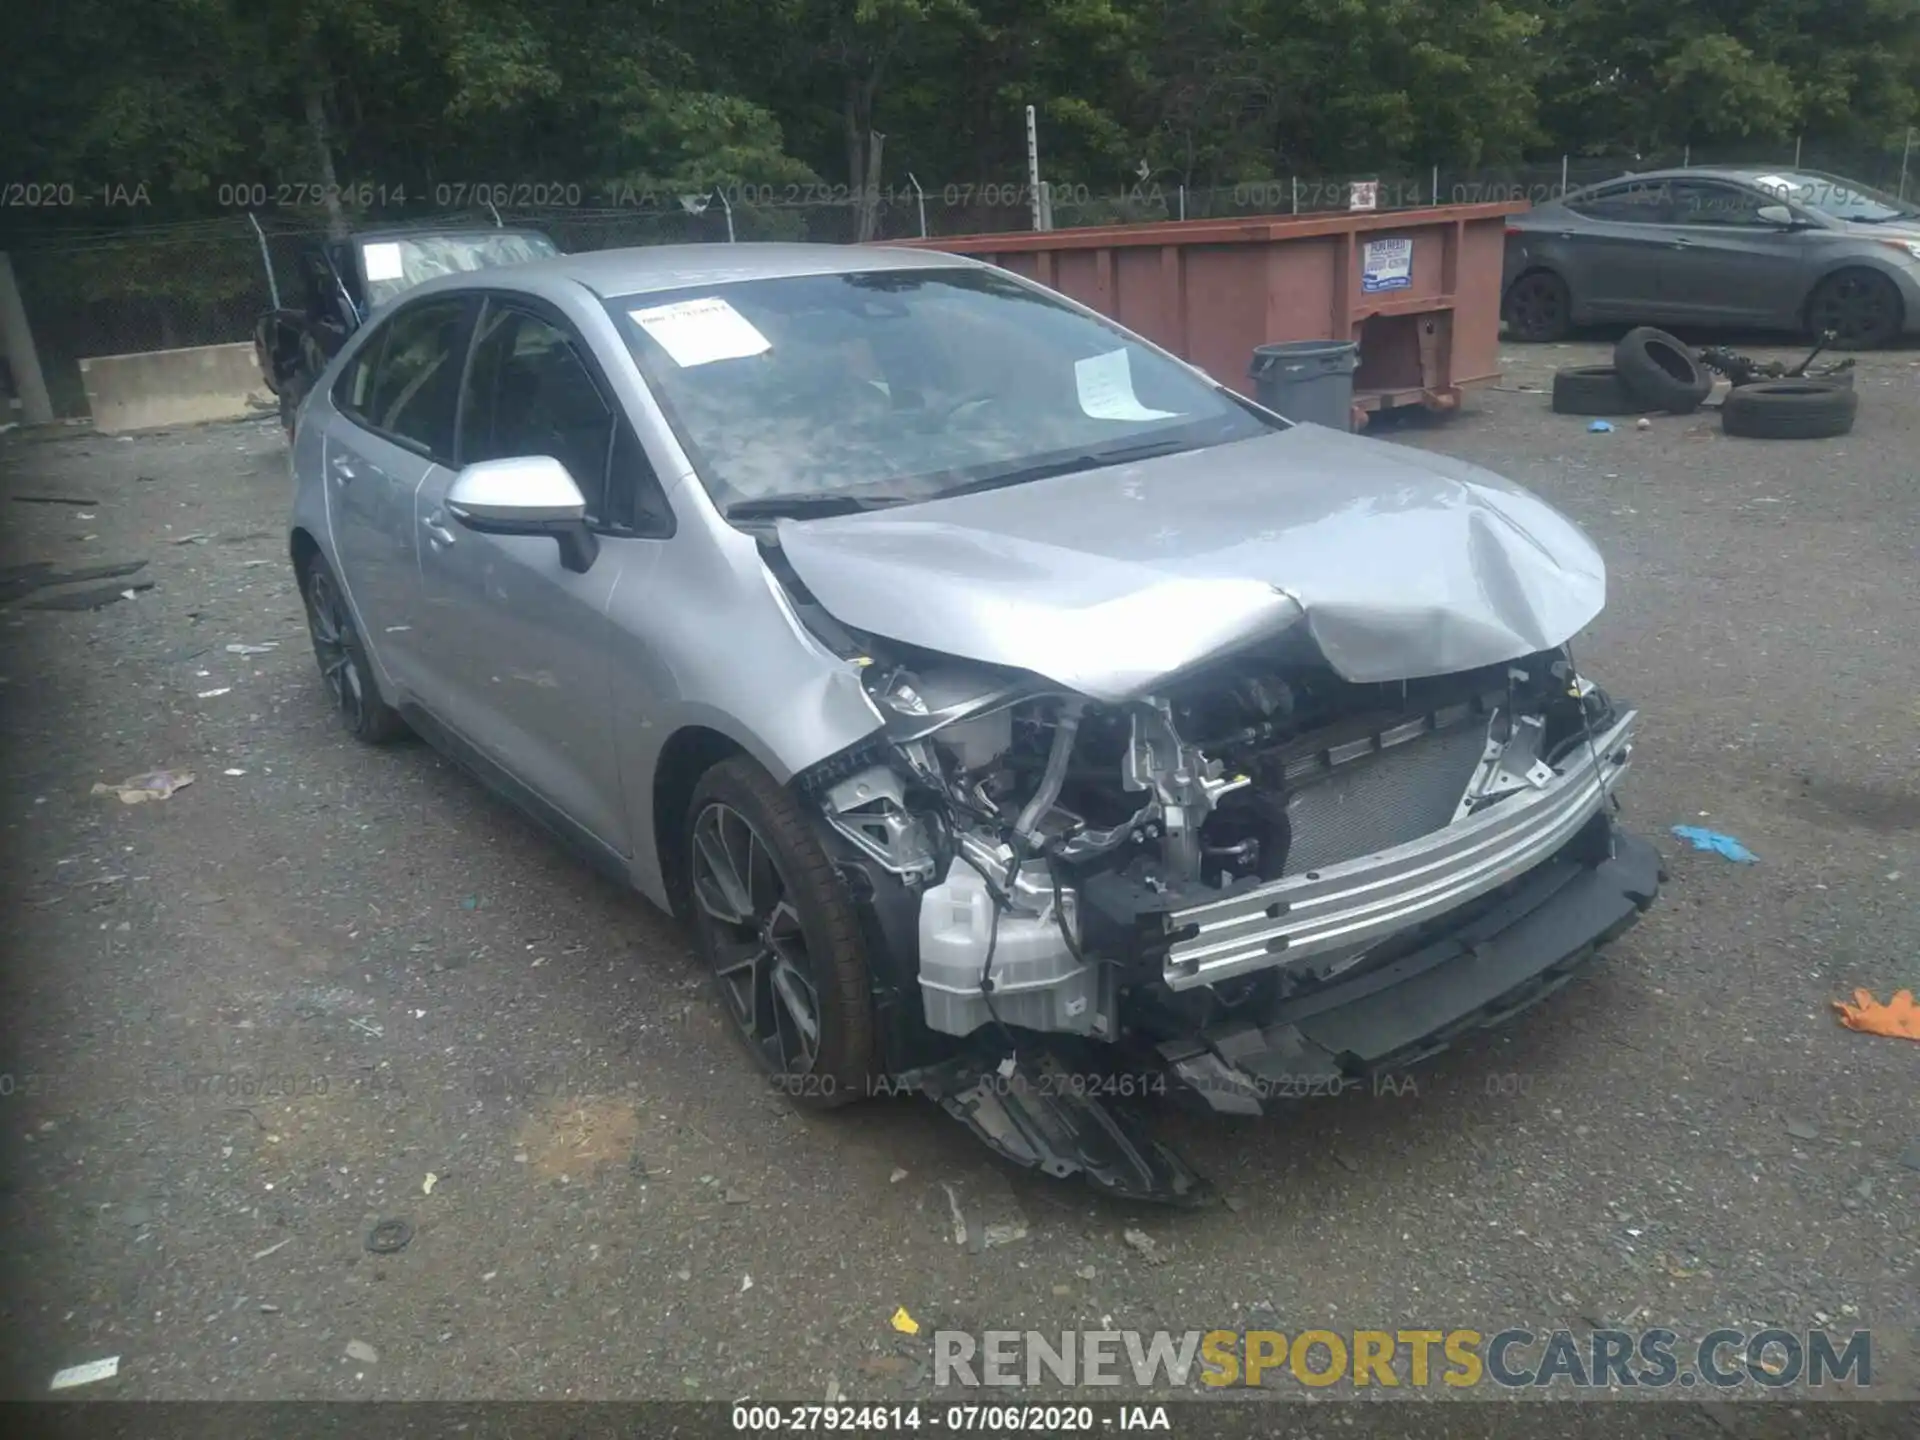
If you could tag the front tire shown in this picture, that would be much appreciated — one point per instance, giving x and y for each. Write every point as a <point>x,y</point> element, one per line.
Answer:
<point>778,930</point>
<point>1861,307</point>
<point>342,656</point>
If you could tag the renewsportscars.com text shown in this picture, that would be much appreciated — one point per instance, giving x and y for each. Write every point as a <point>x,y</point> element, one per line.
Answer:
<point>1416,1359</point>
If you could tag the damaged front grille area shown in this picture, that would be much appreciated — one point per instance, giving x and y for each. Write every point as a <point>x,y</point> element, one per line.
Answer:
<point>1267,816</point>
<point>1346,905</point>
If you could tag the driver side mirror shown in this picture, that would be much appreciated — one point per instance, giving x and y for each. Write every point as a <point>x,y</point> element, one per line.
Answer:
<point>1779,215</point>
<point>526,495</point>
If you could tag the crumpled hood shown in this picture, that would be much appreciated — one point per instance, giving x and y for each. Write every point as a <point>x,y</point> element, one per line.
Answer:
<point>1400,563</point>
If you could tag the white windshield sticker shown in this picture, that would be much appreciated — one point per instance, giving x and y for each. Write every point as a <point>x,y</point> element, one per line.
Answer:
<point>697,332</point>
<point>383,261</point>
<point>1105,383</point>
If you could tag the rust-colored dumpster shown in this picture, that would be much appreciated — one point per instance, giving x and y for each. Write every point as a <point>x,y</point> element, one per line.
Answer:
<point>1418,289</point>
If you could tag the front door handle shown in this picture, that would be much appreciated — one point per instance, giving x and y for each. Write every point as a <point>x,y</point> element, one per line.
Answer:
<point>342,471</point>
<point>1683,244</point>
<point>439,533</point>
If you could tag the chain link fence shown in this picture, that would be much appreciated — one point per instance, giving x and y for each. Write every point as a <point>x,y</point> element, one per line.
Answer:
<point>115,292</point>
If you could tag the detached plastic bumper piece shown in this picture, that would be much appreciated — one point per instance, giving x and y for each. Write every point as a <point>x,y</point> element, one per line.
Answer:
<point>1039,1118</point>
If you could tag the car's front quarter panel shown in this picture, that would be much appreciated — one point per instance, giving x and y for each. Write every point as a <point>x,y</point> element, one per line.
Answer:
<point>711,643</point>
<point>1905,274</point>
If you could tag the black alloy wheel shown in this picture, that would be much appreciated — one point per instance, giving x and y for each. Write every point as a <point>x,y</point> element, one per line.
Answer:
<point>343,659</point>
<point>1539,308</point>
<point>758,943</point>
<point>1861,308</point>
<point>780,933</point>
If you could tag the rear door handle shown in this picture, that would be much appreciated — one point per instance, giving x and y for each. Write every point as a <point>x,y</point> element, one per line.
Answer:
<point>439,533</point>
<point>342,471</point>
<point>1683,244</point>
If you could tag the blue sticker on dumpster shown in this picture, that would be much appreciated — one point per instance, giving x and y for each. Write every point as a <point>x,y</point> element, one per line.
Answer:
<point>1386,264</point>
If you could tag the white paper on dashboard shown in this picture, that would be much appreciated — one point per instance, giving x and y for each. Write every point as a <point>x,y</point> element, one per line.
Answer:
<point>698,332</point>
<point>383,261</point>
<point>1105,383</point>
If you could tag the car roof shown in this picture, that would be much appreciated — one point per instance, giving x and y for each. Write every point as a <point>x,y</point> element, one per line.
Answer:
<point>643,269</point>
<point>1747,173</point>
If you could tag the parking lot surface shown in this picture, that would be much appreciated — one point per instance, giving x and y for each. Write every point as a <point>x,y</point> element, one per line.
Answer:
<point>324,986</point>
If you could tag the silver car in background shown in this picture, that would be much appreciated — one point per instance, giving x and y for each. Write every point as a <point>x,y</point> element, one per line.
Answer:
<point>1018,716</point>
<point>1792,250</point>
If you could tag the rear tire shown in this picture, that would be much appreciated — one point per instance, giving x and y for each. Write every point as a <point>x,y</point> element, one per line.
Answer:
<point>1660,371</point>
<point>344,666</point>
<point>1538,307</point>
<point>778,930</point>
<point>1789,410</point>
<point>1862,307</point>
<point>1590,390</point>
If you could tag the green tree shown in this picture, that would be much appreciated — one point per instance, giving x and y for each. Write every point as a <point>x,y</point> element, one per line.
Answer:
<point>1651,75</point>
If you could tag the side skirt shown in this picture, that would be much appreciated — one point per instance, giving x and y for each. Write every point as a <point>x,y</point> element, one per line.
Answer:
<point>462,752</point>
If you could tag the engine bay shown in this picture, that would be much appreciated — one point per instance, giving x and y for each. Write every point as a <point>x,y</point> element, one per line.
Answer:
<point>1047,834</point>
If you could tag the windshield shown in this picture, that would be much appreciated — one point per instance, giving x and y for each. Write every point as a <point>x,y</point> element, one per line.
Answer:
<point>893,385</point>
<point>1842,199</point>
<point>397,265</point>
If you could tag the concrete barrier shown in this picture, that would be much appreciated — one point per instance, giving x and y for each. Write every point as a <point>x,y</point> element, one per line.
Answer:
<point>174,387</point>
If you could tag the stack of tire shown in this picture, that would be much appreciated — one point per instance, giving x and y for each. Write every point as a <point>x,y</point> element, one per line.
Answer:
<point>1653,370</point>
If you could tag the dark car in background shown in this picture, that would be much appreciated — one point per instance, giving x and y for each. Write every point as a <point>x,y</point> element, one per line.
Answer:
<point>344,280</point>
<point>1794,250</point>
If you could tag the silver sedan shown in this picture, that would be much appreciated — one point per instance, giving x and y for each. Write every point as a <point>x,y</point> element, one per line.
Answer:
<point>1017,715</point>
<point>1766,249</point>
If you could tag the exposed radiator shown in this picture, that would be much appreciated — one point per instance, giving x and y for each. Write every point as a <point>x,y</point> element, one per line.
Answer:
<point>1383,800</point>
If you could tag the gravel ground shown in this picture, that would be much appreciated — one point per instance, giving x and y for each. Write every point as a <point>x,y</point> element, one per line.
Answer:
<point>407,989</point>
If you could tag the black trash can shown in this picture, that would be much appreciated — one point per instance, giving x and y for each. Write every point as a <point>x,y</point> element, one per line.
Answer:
<point>1307,380</point>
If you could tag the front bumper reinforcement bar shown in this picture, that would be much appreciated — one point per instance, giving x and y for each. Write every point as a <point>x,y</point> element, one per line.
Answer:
<point>1344,906</point>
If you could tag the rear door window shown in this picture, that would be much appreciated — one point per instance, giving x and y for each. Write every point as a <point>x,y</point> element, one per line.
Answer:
<point>354,388</point>
<point>1637,202</point>
<point>405,381</point>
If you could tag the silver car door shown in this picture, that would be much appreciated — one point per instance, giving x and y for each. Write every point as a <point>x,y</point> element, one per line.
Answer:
<point>394,408</point>
<point>1726,265</point>
<point>517,649</point>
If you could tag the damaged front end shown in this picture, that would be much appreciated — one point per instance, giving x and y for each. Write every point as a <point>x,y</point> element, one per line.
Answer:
<point>1260,876</point>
